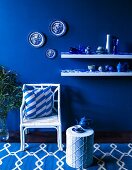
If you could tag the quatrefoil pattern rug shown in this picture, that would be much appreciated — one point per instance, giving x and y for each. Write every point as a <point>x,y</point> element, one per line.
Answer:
<point>47,157</point>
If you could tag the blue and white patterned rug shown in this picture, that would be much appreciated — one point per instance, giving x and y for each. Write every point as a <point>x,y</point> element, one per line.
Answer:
<point>48,157</point>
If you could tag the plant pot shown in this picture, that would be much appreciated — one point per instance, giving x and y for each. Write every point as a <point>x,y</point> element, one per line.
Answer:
<point>4,133</point>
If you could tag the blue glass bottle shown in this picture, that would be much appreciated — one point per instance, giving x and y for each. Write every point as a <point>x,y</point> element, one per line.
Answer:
<point>119,66</point>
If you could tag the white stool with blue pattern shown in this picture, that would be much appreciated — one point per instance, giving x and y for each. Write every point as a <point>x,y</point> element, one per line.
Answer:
<point>79,148</point>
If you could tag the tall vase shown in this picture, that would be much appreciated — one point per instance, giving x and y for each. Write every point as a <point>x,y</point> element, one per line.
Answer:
<point>4,133</point>
<point>108,43</point>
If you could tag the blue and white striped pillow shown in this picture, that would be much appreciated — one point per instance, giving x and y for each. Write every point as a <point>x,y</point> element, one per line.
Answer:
<point>39,102</point>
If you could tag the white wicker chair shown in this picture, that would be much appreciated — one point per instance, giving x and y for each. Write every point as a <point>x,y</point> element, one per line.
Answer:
<point>45,122</point>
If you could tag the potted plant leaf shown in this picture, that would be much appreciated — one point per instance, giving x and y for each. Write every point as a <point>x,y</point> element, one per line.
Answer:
<point>10,98</point>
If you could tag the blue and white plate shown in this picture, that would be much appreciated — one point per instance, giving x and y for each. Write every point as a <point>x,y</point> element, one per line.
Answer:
<point>58,28</point>
<point>51,53</point>
<point>36,39</point>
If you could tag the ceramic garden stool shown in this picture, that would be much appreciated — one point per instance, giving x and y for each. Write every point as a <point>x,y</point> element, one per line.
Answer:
<point>79,148</point>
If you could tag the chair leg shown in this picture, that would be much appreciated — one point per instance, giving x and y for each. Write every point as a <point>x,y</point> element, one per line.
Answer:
<point>26,131</point>
<point>59,138</point>
<point>22,138</point>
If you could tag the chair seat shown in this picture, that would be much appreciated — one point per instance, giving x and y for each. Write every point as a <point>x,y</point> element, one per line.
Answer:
<point>45,121</point>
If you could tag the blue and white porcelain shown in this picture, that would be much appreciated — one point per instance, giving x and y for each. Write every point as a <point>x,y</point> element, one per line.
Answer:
<point>88,50</point>
<point>73,50</point>
<point>100,68</point>
<point>106,67</point>
<point>78,129</point>
<point>84,122</point>
<point>101,50</point>
<point>115,45</point>
<point>58,28</point>
<point>36,39</point>
<point>91,68</point>
<point>111,68</point>
<point>51,53</point>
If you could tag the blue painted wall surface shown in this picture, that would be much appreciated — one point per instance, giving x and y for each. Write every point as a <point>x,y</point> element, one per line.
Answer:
<point>106,100</point>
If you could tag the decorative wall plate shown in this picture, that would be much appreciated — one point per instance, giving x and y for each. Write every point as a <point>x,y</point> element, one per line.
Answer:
<point>58,28</point>
<point>36,39</point>
<point>51,53</point>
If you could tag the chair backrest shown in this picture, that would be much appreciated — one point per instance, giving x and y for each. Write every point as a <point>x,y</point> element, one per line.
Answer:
<point>56,98</point>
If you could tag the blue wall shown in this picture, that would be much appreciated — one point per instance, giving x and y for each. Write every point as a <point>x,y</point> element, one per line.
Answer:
<point>106,100</point>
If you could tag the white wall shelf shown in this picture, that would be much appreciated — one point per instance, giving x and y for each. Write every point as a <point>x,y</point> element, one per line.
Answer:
<point>77,73</point>
<point>95,56</point>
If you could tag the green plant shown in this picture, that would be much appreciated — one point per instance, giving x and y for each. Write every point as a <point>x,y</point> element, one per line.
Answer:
<point>10,92</point>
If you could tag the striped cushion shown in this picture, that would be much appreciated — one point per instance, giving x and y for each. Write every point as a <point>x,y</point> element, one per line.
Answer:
<point>39,102</point>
